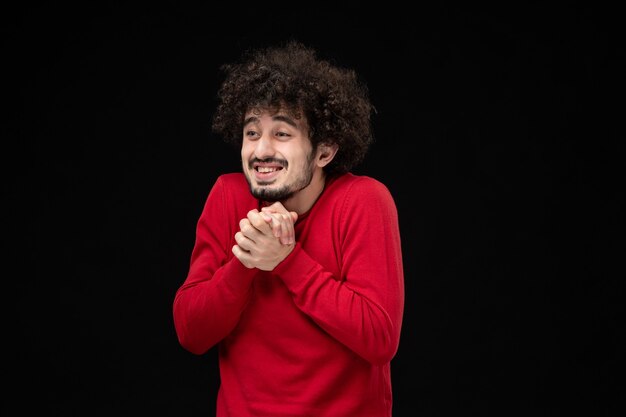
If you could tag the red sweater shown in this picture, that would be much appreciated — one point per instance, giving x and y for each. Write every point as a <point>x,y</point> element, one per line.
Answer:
<point>315,336</point>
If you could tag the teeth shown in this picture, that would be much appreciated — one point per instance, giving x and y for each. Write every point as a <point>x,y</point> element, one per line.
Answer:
<point>266,169</point>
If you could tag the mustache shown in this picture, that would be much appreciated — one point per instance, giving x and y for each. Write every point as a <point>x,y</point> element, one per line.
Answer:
<point>277,161</point>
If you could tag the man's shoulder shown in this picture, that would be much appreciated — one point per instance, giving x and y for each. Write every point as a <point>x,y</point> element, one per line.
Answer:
<point>233,185</point>
<point>232,179</point>
<point>363,195</point>
<point>360,184</point>
<point>232,190</point>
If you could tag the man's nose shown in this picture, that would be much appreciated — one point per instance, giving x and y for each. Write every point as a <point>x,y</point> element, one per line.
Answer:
<point>264,147</point>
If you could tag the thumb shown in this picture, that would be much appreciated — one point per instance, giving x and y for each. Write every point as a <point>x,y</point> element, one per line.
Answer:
<point>294,215</point>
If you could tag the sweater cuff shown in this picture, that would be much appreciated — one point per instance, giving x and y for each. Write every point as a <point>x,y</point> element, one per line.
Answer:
<point>236,277</point>
<point>296,269</point>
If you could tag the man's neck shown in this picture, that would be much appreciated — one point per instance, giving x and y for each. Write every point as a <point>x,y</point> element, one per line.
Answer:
<point>303,200</point>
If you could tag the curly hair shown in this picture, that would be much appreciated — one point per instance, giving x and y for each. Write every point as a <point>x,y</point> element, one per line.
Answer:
<point>291,78</point>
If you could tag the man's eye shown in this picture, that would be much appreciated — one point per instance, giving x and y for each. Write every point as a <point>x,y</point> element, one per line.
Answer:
<point>282,134</point>
<point>250,133</point>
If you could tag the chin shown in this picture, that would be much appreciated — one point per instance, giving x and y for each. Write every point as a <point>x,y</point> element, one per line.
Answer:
<point>271,194</point>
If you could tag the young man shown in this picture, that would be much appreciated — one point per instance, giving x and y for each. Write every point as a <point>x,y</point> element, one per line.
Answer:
<point>296,273</point>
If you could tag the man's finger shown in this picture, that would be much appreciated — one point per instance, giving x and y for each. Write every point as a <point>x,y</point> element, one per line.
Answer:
<point>258,221</point>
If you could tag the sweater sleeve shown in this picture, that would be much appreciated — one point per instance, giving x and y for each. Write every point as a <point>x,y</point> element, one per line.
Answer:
<point>363,308</point>
<point>209,303</point>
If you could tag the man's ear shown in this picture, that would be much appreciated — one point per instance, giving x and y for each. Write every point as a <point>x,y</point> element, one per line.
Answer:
<point>325,153</point>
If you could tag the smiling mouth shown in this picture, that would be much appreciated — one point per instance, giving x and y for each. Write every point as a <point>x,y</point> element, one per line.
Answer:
<point>266,169</point>
<point>267,166</point>
<point>266,172</point>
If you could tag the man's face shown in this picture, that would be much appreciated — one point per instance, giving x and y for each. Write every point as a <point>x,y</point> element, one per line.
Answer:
<point>277,155</point>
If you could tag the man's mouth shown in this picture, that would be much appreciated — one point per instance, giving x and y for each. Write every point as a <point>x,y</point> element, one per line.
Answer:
<point>266,171</point>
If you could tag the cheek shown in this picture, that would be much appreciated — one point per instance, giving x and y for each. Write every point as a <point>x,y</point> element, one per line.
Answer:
<point>246,151</point>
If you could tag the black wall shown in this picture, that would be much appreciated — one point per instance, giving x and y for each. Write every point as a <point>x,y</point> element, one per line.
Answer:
<point>499,133</point>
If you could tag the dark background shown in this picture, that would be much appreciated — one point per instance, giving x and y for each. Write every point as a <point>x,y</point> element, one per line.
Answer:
<point>499,133</point>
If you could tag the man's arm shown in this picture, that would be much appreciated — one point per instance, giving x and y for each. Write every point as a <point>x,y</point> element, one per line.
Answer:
<point>363,308</point>
<point>208,305</point>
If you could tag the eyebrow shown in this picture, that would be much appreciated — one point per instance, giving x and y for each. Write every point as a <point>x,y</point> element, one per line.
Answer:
<point>277,118</point>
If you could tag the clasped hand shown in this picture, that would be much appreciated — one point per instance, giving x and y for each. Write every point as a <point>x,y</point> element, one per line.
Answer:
<point>265,238</point>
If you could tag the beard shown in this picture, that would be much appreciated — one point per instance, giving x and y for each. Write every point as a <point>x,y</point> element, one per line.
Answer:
<point>286,191</point>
